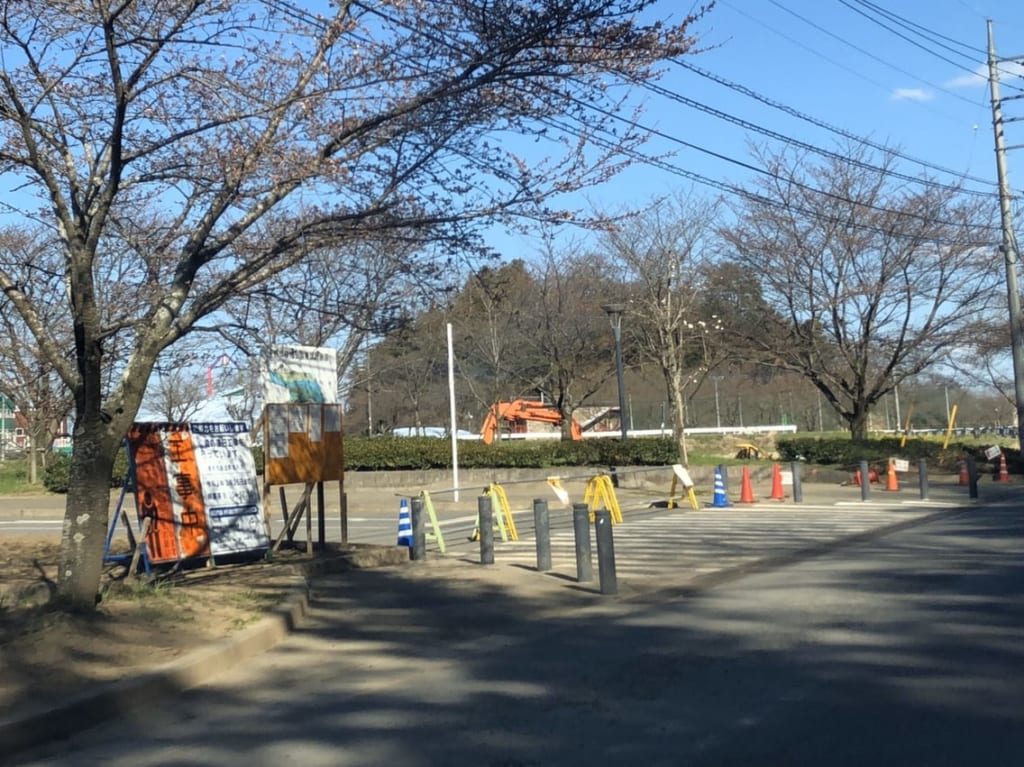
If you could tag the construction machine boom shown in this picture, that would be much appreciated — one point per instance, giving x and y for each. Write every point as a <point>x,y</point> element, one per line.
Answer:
<point>518,412</point>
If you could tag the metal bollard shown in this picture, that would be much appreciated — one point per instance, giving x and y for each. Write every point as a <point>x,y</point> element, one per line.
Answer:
<point>798,488</point>
<point>581,531</point>
<point>605,552</point>
<point>419,535</point>
<point>485,518</point>
<point>542,529</point>
<point>922,477</point>
<point>865,481</point>
<point>972,473</point>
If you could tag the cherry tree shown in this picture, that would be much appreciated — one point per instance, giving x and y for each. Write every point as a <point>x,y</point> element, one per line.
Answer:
<point>184,153</point>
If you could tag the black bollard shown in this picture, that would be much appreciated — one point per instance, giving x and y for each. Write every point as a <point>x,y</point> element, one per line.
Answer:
<point>922,477</point>
<point>581,530</point>
<point>542,529</point>
<point>972,473</point>
<point>798,488</point>
<point>485,519</point>
<point>605,552</point>
<point>419,535</point>
<point>865,481</point>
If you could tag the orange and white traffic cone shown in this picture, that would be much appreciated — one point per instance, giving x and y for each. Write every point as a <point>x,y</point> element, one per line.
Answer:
<point>777,492</point>
<point>746,493</point>
<point>892,482</point>
<point>1004,472</point>
<point>965,479</point>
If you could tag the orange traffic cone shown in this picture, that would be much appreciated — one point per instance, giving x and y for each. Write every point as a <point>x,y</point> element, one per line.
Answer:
<point>777,493</point>
<point>1004,472</point>
<point>746,493</point>
<point>964,478</point>
<point>892,482</point>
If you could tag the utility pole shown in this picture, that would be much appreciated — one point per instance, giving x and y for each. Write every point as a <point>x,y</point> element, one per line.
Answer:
<point>1009,246</point>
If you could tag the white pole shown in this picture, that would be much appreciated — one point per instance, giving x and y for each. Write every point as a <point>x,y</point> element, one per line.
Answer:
<point>896,395</point>
<point>451,413</point>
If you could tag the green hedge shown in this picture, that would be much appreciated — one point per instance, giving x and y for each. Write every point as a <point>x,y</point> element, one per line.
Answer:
<point>58,471</point>
<point>382,453</point>
<point>845,453</point>
<point>397,453</point>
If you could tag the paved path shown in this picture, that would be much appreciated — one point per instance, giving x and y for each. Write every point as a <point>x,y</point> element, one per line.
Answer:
<point>902,650</point>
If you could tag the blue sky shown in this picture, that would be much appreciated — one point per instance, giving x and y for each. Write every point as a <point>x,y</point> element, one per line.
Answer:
<point>844,63</point>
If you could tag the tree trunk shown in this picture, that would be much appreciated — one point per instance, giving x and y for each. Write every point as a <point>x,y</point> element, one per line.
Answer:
<point>676,391</point>
<point>858,421</point>
<point>85,517</point>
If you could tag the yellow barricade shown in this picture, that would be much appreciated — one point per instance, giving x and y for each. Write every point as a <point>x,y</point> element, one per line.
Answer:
<point>504,524</point>
<point>680,477</point>
<point>436,535</point>
<point>601,491</point>
<point>502,513</point>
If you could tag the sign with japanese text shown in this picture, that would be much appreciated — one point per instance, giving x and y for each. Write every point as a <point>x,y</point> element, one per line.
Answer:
<point>197,485</point>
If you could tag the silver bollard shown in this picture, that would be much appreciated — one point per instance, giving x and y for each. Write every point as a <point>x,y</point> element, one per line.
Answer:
<point>485,519</point>
<point>542,529</point>
<point>581,530</point>
<point>419,534</point>
<point>605,552</point>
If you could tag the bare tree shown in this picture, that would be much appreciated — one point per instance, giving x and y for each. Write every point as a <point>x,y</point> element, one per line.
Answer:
<point>26,376</point>
<point>176,393</point>
<point>565,350</point>
<point>264,133</point>
<point>485,317</point>
<point>663,256</point>
<point>340,297</point>
<point>871,281</point>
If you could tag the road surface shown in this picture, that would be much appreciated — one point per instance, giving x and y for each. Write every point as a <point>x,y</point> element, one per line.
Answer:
<point>906,649</point>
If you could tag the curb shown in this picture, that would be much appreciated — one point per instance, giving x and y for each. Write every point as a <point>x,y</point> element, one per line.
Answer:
<point>19,733</point>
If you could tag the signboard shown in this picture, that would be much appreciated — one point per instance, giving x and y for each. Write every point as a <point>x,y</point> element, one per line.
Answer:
<point>993,452</point>
<point>900,464</point>
<point>197,485</point>
<point>300,374</point>
<point>303,443</point>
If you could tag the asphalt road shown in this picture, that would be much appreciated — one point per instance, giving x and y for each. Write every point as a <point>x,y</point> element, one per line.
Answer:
<point>906,649</point>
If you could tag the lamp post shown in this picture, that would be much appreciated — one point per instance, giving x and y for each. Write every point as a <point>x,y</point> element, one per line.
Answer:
<point>614,312</point>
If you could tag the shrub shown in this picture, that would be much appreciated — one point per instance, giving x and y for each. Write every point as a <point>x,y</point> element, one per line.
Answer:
<point>847,454</point>
<point>395,453</point>
<point>57,475</point>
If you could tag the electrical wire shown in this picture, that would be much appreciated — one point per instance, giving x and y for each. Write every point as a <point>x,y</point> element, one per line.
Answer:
<point>778,105</point>
<point>869,54</point>
<point>916,44</point>
<point>739,192</point>
<point>746,124</point>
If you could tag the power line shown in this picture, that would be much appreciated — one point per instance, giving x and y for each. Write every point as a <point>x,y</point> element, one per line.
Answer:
<point>927,33</point>
<point>737,191</point>
<point>748,166</point>
<point>916,44</point>
<point>778,105</point>
<point>855,72</point>
<point>717,113</point>
<point>873,55</point>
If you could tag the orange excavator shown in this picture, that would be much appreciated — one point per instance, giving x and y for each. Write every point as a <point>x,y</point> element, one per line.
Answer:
<point>518,412</point>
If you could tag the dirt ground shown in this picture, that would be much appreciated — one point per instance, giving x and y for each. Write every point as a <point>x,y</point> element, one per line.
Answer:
<point>139,624</point>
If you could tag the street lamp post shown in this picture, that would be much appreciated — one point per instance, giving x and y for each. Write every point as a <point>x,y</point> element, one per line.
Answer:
<point>614,312</point>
